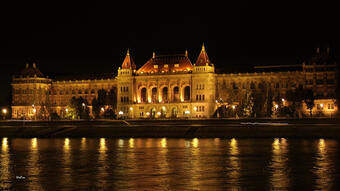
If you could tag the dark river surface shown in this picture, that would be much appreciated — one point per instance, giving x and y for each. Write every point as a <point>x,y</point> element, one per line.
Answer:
<point>169,164</point>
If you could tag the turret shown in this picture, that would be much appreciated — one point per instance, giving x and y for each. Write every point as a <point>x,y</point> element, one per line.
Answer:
<point>203,64</point>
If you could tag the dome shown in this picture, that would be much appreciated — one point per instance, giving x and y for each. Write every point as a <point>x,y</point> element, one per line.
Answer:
<point>166,63</point>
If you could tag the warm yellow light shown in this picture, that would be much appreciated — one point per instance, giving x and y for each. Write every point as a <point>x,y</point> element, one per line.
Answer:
<point>4,111</point>
<point>34,143</point>
<point>163,143</point>
<point>120,142</point>
<point>66,110</point>
<point>147,113</point>
<point>195,142</point>
<point>233,106</point>
<point>276,106</point>
<point>102,109</point>
<point>187,112</point>
<point>83,104</point>
<point>34,110</point>
<point>283,100</point>
<point>102,144</point>
<point>131,142</point>
<point>321,105</point>
<point>158,113</point>
<point>120,113</point>
<point>195,108</point>
<point>163,108</point>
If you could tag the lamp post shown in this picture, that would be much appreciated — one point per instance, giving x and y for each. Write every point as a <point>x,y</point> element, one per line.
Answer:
<point>4,112</point>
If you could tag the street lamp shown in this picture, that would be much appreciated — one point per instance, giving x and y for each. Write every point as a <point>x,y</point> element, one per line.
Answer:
<point>4,112</point>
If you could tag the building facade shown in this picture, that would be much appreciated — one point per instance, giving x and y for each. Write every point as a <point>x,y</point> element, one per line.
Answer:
<point>170,86</point>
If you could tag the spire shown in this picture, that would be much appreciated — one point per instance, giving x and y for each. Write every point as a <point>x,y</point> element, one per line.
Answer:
<point>128,62</point>
<point>153,54</point>
<point>186,53</point>
<point>27,65</point>
<point>203,59</point>
<point>34,65</point>
<point>317,50</point>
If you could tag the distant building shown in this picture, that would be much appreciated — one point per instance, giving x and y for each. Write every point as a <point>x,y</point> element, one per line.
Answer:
<point>170,86</point>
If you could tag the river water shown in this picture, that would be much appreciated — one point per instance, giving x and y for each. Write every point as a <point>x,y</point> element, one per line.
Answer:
<point>169,164</point>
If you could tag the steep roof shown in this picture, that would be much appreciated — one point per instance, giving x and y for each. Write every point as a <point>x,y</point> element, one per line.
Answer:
<point>128,62</point>
<point>166,63</point>
<point>203,59</point>
<point>31,71</point>
<point>323,57</point>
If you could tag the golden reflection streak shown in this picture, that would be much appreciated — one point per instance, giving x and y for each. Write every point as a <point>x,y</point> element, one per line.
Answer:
<point>5,162</point>
<point>279,179</point>
<point>195,163</point>
<point>323,167</point>
<point>162,164</point>
<point>163,143</point>
<point>102,164</point>
<point>120,142</point>
<point>83,144</point>
<point>131,143</point>
<point>67,178</point>
<point>33,166</point>
<point>234,175</point>
<point>195,142</point>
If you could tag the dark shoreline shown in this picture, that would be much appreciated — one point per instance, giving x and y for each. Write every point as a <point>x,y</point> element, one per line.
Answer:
<point>222,128</point>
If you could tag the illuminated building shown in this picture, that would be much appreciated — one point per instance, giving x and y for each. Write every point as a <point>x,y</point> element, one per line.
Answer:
<point>170,86</point>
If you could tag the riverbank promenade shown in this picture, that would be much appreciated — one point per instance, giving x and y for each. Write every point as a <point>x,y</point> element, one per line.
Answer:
<point>228,128</point>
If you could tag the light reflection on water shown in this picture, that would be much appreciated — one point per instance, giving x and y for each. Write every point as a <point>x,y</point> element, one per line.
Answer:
<point>324,166</point>
<point>5,172</point>
<point>234,173</point>
<point>166,164</point>
<point>279,178</point>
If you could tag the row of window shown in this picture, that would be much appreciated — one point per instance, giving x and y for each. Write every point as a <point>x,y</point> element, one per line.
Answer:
<point>124,99</point>
<point>124,89</point>
<point>200,86</point>
<point>200,108</point>
<point>200,97</point>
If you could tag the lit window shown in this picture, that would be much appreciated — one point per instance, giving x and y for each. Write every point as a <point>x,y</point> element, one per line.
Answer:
<point>176,65</point>
<point>155,66</point>
<point>166,66</point>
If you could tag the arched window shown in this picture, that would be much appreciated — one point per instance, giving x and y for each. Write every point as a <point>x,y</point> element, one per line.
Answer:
<point>143,95</point>
<point>154,95</point>
<point>165,94</point>
<point>187,93</point>
<point>252,85</point>
<point>176,94</point>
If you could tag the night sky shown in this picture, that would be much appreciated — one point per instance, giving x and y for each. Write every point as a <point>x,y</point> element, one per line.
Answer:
<point>93,37</point>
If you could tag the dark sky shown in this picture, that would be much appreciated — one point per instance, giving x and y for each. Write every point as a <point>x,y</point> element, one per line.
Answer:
<point>93,37</point>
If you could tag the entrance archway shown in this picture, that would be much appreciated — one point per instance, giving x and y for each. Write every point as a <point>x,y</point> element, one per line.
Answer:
<point>153,113</point>
<point>174,112</point>
<point>163,112</point>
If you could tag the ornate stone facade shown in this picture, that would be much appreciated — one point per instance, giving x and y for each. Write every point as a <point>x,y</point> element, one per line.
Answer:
<point>170,86</point>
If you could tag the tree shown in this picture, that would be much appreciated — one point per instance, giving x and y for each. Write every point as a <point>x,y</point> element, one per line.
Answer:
<point>309,100</point>
<point>95,108</point>
<point>78,108</point>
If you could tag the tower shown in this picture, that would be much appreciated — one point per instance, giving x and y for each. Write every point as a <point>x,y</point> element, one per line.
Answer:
<point>203,85</point>
<point>126,86</point>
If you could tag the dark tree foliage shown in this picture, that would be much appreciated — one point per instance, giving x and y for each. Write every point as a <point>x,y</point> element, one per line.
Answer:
<point>80,107</point>
<point>309,100</point>
<point>105,100</point>
<point>296,97</point>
